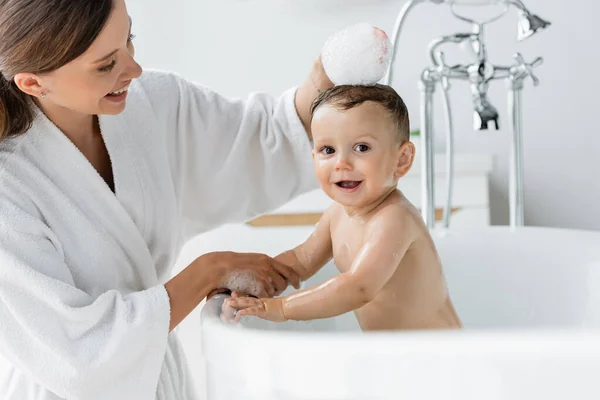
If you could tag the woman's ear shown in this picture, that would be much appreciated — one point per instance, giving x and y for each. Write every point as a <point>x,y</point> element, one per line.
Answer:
<point>29,84</point>
<point>406,156</point>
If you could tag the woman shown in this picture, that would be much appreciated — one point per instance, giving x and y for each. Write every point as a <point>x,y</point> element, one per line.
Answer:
<point>96,199</point>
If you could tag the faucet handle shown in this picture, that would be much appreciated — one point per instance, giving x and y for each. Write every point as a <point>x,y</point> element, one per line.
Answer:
<point>523,68</point>
<point>444,69</point>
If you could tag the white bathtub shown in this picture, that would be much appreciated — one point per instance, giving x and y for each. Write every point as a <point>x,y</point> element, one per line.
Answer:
<point>530,302</point>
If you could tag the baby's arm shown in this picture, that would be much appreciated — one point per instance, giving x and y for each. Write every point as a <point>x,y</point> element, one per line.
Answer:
<point>385,244</point>
<point>311,255</point>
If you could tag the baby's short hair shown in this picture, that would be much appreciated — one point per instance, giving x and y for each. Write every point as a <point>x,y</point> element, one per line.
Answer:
<point>345,97</point>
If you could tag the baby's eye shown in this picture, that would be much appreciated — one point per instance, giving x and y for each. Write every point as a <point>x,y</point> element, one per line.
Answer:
<point>327,150</point>
<point>362,148</point>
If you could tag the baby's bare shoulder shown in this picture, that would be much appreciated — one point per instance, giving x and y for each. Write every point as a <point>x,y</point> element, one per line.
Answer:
<point>395,211</point>
<point>397,218</point>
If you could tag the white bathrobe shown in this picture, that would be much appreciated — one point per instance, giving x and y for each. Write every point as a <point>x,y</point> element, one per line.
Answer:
<point>83,310</point>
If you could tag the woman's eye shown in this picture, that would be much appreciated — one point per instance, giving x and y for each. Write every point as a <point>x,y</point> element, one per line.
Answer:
<point>108,68</point>
<point>327,150</point>
<point>362,148</point>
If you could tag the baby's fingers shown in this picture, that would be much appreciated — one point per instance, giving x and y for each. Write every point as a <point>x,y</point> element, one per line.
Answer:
<point>257,311</point>
<point>243,302</point>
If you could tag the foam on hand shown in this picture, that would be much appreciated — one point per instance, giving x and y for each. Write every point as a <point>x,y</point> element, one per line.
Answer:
<point>357,55</point>
<point>244,282</point>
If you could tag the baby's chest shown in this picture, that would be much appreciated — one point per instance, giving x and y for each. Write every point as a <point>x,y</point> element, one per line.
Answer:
<point>346,241</point>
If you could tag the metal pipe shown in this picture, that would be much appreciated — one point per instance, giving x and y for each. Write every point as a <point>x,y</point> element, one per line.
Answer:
<point>449,155</point>
<point>516,190</point>
<point>520,5</point>
<point>442,74</point>
<point>427,87</point>
<point>456,38</point>
<point>387,79</point>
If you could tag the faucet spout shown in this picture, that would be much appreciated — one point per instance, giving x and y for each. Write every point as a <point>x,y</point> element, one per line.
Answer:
<point>484,113</point>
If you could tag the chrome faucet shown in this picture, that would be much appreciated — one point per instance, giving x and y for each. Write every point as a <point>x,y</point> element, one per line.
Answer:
<point>479,74</point>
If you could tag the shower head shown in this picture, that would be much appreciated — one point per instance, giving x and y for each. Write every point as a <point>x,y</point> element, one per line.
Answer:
<point>528,23</point>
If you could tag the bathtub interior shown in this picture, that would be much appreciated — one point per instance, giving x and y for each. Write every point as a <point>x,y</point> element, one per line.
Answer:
<point>507,287</point>
<point>523,278</point>
<point>498,278</point>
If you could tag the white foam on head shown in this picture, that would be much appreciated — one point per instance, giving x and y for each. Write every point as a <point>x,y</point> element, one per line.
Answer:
<point>244,282</point>
<point>357,55</point>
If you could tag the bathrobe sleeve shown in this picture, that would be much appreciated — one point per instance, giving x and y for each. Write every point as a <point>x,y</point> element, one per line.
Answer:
<point>231,159</point>
<point>79,347</point>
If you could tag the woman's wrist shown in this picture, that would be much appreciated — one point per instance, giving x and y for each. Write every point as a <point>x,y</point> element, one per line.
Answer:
<point>316,82</point>
<point>207,275</point>
<point>318,77</point>
<point>187,289</point>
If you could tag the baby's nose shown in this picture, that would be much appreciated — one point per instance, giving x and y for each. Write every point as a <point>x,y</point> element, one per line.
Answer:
<point>342,162</point>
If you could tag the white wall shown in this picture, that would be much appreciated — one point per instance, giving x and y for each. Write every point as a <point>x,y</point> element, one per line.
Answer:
<point>238,46</point>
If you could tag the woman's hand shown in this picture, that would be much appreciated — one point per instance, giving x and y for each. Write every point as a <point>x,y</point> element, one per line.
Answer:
<point>249,273</point>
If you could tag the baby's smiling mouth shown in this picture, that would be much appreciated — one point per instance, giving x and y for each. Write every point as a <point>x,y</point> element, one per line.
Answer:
<point>348,185</point>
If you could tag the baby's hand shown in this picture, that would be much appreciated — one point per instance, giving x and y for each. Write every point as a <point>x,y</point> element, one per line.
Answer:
<point>269,309</point>
<point>227,312</point>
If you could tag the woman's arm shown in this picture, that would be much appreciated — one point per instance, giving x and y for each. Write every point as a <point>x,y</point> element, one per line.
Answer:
<point>316,82</point>
<point>232,160</point>
<point>75,344</point>
<point>107,345</point>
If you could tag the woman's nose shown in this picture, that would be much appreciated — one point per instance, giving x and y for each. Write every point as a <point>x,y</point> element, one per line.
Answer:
<point>133,69</point>
<point>137,70</point>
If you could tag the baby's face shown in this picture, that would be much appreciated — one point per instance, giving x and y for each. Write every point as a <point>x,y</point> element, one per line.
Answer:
<point>356,155</point>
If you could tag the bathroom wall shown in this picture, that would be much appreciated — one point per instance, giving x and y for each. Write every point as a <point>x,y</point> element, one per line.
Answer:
<point>239,46</point>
